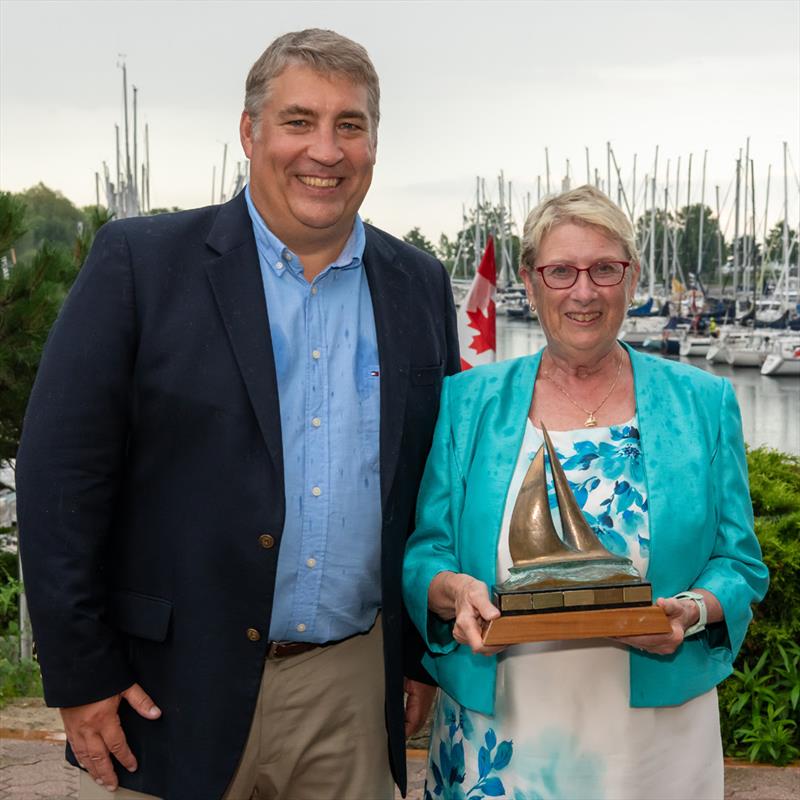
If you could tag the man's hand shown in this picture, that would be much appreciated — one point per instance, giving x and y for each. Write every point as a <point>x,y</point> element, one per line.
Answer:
<point>419,697</point>
<point>94,733</point>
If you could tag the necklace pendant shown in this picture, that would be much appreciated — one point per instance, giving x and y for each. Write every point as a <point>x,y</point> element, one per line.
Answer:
<point>591,422</point>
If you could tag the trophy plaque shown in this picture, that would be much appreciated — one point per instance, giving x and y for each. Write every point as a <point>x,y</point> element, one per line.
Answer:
<point>570,588</point>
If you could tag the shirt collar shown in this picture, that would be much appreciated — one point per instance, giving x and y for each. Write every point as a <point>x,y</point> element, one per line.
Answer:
<point>279,257</point>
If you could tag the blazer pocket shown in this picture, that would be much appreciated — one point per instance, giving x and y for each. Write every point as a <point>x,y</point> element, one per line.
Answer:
<point>141,615</point>
<point>427,376</point>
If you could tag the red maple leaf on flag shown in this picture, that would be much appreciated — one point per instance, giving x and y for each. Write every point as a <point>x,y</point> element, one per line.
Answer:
<point>485,325</point>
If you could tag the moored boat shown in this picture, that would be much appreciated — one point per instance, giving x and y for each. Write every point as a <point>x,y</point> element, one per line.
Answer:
<point>695,345</point>
<point>750,351</point>
<point>784,358</point>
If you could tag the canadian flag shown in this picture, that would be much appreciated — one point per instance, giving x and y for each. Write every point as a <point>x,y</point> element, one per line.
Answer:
<point>476,316</point>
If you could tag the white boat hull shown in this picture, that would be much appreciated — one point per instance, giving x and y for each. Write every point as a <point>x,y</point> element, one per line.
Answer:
<point>695,346</point>
<point>775,364</point>
<point>743,357</point>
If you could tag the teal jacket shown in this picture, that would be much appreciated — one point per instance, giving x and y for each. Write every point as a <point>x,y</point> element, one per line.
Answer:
<point>701,517</point>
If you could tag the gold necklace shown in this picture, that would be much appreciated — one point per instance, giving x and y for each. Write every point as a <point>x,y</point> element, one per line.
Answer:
<point>591,420</point>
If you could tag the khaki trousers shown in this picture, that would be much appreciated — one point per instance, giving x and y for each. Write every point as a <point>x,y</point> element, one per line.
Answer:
<point>318,731</point>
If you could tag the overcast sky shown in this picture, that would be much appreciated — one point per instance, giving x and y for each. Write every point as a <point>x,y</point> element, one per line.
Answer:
<point>468,88</point>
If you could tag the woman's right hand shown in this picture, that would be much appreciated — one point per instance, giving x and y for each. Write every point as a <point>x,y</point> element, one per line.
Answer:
<point>454,595</point>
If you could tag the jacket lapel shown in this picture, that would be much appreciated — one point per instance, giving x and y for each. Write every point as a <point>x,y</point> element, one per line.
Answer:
<point>239,292</point>
<point>663,444</point>
<point>390,290</point>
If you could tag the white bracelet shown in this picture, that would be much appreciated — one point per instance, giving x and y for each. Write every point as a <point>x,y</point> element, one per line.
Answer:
<point>700,601</point>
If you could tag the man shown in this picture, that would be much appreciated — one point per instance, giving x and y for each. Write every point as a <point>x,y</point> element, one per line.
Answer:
<point>220,463</point>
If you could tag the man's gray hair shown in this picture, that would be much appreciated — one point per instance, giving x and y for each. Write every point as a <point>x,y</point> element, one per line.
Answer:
<point>325,51</point>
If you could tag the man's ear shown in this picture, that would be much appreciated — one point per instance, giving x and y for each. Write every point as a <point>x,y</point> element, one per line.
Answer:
<point>246,133</point>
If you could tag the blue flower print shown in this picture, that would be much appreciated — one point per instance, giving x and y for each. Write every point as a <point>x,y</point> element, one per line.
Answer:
<point>606,475</point>
<point>453,728</point>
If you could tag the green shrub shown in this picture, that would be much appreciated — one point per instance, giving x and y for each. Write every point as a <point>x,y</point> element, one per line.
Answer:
<point>760,702</point>
<point>18,677</point>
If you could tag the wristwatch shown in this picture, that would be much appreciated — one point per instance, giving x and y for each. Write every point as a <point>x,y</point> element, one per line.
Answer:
<point>699,600</point>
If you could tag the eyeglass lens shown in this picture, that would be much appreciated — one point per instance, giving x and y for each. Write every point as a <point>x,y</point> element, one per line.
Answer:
<point>603,273</point>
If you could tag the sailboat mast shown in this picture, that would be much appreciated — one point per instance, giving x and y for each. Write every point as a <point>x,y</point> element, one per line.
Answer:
<point>785,220</point>
<point>665,253</point>
<point>753,228</point>
<point>719,230</point>
<point>547,170</point>
<point>127,145</point>
<point>652,284</point>
<point>736,242</point>
<point>147,161</point>
<point>745,238</point>
<point>135,187</point>
<point>702,216</point>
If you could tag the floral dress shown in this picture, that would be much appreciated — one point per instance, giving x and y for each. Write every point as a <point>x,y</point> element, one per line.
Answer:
<point>563,728</point>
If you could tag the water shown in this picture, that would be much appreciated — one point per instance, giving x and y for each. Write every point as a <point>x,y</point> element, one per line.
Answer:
<point>770,406</point>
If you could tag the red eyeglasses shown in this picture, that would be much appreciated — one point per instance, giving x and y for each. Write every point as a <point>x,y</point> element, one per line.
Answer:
<point>602,273</point>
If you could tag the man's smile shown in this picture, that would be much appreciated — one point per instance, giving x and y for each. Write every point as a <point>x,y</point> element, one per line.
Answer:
<point>319,183</point>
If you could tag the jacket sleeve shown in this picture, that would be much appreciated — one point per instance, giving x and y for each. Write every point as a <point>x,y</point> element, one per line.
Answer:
<point>735,573</point>
<point>68,477</point>
<point>431,549</point>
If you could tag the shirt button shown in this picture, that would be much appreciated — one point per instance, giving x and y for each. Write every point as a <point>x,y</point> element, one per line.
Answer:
<point>301,627</point>
<point>316,422</point>
<point>278,265</point>
<point>315,354</point>
<point>253,635</point>
<point>314,290</point>
<point>311,563</point>
<point>316,491</point>
<point>287,255</point>
<point>266,541</point>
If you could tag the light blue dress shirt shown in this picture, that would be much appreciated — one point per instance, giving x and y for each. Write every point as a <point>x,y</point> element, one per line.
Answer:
<point>328,584</point>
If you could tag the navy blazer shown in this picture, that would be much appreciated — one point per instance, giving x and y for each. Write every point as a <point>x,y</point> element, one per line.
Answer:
<point>151,467</point>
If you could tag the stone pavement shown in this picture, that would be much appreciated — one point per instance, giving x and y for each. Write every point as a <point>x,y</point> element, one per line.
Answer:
<point>33,768</point>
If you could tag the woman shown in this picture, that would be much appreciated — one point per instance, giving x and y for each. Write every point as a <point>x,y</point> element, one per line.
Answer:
<point>654,454</point>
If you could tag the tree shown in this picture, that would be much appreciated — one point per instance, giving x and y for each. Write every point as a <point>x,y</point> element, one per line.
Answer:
<point>747,250</point>
<point>31,293</point>
<point>491,220</point>
<point>643,232</point>
<point>773,249</point>
<point>50,217</point>
<point>688,223</point>
<point>415,237</point>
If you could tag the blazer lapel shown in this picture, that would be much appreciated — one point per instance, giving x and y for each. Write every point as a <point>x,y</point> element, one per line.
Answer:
<point>390,290</point>
<point>663,445</point>
<point>239,292</point>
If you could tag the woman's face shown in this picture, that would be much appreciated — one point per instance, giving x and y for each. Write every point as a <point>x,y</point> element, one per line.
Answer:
<point>585,318</point>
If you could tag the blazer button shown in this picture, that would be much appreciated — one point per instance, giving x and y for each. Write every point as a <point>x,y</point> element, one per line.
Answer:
<point>253,635</point>
<point>266,541</point>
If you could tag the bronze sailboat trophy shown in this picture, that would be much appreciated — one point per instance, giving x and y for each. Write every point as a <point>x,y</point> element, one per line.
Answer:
<point>565,589</point>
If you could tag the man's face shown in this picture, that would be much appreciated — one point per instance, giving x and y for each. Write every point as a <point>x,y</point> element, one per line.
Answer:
<point>311,157</point>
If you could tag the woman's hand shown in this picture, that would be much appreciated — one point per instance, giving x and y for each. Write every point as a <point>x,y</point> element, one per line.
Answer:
<point>466,600</point>
<point>682,614</point>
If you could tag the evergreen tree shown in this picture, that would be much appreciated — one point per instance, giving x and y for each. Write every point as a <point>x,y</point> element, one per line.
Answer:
<point>32,290</point>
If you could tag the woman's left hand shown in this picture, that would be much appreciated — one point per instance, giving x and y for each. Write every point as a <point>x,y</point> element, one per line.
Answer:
<point>682,614</point>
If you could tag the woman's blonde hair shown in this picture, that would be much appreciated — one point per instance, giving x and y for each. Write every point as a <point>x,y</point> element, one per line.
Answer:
<point>582,206</point>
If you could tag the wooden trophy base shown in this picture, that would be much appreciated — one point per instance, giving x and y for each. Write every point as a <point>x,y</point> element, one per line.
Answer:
<point>562,625</point>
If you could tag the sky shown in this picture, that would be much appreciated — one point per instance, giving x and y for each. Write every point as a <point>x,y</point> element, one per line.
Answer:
<point>467,89</point>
